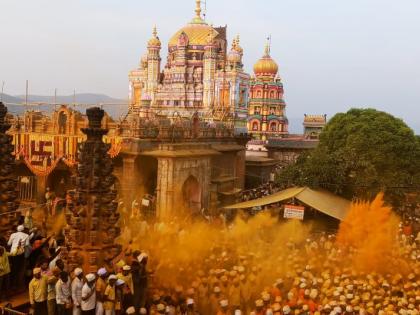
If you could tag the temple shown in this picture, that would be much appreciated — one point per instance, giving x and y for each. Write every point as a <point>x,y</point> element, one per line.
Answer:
<point>182,143</point>
<point>267,117</point>
<point>200,76</point>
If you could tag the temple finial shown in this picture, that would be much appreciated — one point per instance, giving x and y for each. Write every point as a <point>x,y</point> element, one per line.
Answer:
<point>198,8</point>
<point>267,46</point>
<point>155,31</point>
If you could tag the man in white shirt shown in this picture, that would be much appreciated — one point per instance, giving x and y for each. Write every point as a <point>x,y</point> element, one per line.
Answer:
<point>89,295</point>
<point>76,291</point>
<point>63,294</point>
<point>18,240</point>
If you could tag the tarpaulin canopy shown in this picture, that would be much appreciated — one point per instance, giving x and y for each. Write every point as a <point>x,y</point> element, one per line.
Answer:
<point>320,200</point>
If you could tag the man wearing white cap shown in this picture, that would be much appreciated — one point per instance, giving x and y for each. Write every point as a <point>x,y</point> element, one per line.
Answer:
<point>89,295</point>
<point>18,241</point>
<point>63,294</point>
<point>224,307</point>
<point>214,300</point>
<point>127,277</point>
<point>76,291</point>
<point>109,296</point>
<point>191,307</point>
<point>38,293</point>
<point>143,277</point>
<point>100,290</point>
<point>286,309</point>
<point>120,287</point>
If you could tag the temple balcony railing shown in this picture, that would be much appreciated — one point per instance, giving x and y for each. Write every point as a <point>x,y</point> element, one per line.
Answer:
<point>173,132</point>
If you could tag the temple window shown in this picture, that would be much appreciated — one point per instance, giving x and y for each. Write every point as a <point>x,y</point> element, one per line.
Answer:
<point>273,126</point>
<point>254,126</point>
<point>258,94</point>
<point>272,110</point>
<point>257,110</point>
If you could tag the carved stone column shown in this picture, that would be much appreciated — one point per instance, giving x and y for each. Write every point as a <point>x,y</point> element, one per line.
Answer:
<point>91,212</point>
<point>8,181</point>
<point>131,180</point>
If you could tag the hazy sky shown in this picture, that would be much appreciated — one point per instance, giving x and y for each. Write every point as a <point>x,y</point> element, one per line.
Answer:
<point>333,54</point>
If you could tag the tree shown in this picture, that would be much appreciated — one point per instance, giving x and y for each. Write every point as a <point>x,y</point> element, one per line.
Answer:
<point>361,153</point>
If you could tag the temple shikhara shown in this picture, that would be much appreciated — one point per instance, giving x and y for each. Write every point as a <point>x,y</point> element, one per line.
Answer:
<point>201,75</point>
<point>267,116</point>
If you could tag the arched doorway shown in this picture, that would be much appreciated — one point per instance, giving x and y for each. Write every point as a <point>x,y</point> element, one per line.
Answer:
<point>191,193</point>
<point>147,168</point>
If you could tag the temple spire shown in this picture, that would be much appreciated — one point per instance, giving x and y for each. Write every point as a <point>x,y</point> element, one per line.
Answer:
<point>267,47</point>
<point>197,18</point>
<point>198,9</point>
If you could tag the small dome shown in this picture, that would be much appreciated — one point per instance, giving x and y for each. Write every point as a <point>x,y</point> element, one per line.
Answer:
<point>266,66</point>
<point>234,56</point>
<point>154,41</point>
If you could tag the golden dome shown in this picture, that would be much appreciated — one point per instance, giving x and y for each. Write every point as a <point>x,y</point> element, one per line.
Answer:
<point>266,66</point>
<point>154,41</point>
<point>197,34</point>
<point>197,30</point>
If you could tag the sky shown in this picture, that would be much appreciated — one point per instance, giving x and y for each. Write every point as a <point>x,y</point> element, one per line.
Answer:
<point>332,54</point>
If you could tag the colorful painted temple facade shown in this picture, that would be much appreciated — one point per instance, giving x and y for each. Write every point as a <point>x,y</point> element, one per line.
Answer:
<point>266,114</point>
<point>201,75</point>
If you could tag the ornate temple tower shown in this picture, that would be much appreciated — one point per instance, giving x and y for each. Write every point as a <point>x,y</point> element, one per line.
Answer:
<point>8,181</point>
<point>91,211</point>
<point>233,87</point>
<point>153,64</point>
<point>209,72</point>
<point>266,115</point>
<point>197,79</point>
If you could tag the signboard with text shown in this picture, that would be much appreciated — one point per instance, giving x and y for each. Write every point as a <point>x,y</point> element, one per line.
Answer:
<point>294,212</point>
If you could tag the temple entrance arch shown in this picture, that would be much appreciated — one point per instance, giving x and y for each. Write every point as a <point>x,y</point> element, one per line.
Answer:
<point>191,193</point>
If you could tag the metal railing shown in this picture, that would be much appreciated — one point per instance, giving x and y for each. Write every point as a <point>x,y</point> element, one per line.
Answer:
<point>7,309</point>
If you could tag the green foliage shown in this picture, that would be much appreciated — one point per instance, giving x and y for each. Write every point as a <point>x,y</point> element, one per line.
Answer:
<point>360,153</point>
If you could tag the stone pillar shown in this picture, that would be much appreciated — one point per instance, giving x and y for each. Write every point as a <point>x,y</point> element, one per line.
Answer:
<point>8,180</point>
<point>130,180</point>
<point>165,189</point>
<point>91,211</point>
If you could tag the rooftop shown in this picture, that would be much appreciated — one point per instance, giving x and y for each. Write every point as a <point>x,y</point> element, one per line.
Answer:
<point>292,143</point>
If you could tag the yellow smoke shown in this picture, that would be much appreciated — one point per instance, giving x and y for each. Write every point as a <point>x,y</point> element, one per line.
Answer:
<point>370,230</point>
<point>59,223</point>
<point>180,250</point>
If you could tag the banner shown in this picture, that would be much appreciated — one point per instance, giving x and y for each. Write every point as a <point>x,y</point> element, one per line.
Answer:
<point>42,152</point>
<point>294,212</point>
